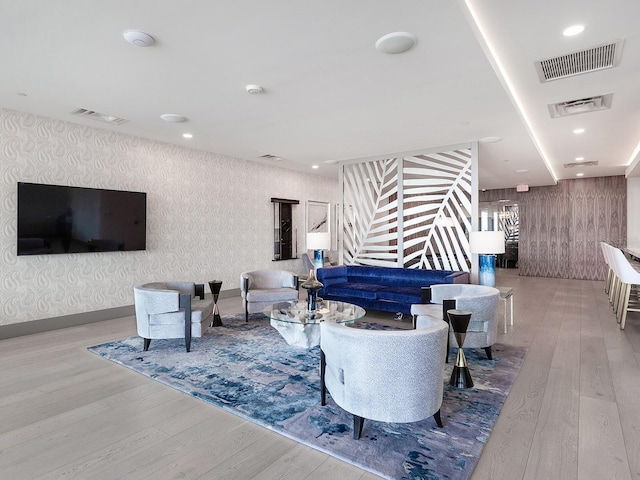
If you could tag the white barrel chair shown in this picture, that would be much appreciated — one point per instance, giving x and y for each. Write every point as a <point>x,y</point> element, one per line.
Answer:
<point>388,376</point>
<point>261,288</point>
<point>170,310</point>
<point>483,302</point>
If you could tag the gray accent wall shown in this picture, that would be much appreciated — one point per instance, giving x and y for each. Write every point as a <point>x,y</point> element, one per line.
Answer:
<point>208,216</point>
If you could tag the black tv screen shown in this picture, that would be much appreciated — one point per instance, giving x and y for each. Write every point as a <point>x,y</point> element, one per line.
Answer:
<point>59,219</point>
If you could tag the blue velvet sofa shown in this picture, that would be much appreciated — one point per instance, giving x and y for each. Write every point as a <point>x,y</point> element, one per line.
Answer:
<point>382,288</point>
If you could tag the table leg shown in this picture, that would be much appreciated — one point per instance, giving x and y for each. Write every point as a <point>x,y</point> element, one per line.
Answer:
<point>511,309</point>
<point>215,287</point>
<point>505,314</point>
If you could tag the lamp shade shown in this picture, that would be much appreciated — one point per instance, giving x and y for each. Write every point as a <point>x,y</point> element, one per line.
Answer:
<point>318,241</point>
<point>487,242</point>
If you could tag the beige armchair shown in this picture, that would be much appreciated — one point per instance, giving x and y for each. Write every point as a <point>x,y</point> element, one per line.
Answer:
<point>260,288</point>
<point>406,386</point>
<point>170,310</point>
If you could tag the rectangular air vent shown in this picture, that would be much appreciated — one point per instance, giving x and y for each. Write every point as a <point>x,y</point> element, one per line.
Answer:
<point>581,164</point>
<point>581,105</point>
<point>585,61</point>
<point>271,157</point>
<point>101,117</point>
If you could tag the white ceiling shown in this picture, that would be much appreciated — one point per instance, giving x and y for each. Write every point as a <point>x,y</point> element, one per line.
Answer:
<point>329,94</point>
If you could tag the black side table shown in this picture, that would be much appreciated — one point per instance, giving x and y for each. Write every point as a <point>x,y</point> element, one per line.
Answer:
<point>460,376</point>
<point>215,286</point>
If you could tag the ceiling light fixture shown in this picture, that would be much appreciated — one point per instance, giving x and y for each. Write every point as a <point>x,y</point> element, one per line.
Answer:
<point>396,42</point>
<point>522,170</point>
<point>254,89</point>
<point>579,174</point>
<point>578,131</point>
<point>138,38</point>
<point>490,139</point>
<point>187,135</point>
<point>315,166</point>
<point>330,162</point>
<point>173,118</point>
<point>579,159</point>
<point>573,30</point>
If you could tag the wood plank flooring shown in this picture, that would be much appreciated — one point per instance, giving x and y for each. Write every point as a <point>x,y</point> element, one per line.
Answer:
<point>573,412</point>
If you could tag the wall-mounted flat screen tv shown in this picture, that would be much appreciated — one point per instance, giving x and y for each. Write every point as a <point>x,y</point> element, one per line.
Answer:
<point>59,219</point>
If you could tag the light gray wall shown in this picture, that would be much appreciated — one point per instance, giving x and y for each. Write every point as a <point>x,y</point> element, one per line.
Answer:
<point>208,216</point>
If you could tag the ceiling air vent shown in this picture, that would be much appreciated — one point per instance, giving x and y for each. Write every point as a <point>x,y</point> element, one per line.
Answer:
<point>271,157</point>
<point>101,117</point>
<point>585,61</point>
<point>582,105</point>
<point>581,164</point>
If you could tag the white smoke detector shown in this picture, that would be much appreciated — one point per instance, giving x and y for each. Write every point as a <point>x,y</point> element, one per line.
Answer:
<point>254,89</point>
<point>138,38</point>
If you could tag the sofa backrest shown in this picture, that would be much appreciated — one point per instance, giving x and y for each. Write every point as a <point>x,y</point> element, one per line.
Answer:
<point>400,277</point>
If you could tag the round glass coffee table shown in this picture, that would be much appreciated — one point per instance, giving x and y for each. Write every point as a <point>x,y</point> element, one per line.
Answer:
<point>300,327</point>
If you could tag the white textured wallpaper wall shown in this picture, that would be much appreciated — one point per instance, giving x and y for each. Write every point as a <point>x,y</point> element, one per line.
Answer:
<point>208,216</point>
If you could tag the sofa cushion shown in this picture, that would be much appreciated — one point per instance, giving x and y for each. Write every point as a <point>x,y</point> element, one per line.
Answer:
<point>355,290</point>
<point>399,294</point>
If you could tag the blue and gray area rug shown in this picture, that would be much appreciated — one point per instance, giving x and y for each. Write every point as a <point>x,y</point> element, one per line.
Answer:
<point>248,369</point>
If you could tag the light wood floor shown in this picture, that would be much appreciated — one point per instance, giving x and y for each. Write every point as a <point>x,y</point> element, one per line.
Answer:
<point>573,412</point>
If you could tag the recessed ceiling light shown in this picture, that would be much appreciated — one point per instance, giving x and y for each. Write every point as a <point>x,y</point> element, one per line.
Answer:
<point>578,130</point>
<point>573,30</point>
<point>522,170</point>
<point>330,162</point>
<point>490,139</point>
<point>173,118</point>
<point>314,166</point>
<point>579,174</point>
<point>396,42</point>
<point>138,38</point>
<point>579,159</point>
<point>187,135</point>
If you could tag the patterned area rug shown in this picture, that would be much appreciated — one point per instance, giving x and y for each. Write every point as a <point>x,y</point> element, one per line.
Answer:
<point>248,369</point>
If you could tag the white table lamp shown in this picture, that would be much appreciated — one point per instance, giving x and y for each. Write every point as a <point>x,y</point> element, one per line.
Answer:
<point>487,244</point>
<point>318,241</point>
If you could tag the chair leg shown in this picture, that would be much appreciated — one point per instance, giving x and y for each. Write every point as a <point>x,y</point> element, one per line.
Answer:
<point>323,388</point>
<point>624,305</point>
<point>185,302</point>
<point>488,350</point>
<point>147,342</point>
<point>437,418</point>
<point>246,313</point>
<point>358,422</point>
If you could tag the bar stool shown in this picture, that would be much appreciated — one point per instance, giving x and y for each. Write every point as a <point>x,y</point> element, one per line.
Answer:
<point>629,294</point>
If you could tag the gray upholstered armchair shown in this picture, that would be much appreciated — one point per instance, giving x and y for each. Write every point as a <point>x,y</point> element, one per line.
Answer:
<point>260,288</point>
<point>170,310</point>
<point>406,386</point>
<point>483,302</point>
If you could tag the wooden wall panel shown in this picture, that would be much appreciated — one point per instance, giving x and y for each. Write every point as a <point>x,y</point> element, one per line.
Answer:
<point>561,226</point>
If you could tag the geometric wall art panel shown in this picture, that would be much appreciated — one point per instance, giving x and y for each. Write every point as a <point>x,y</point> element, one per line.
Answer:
<point>411,211</point>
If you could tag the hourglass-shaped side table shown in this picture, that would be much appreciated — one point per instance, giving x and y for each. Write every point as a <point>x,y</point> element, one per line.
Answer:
<point>216,286</point>
<point>460,375</point>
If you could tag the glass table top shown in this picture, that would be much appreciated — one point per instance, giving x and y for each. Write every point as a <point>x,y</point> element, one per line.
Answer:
<point>327,311</point>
